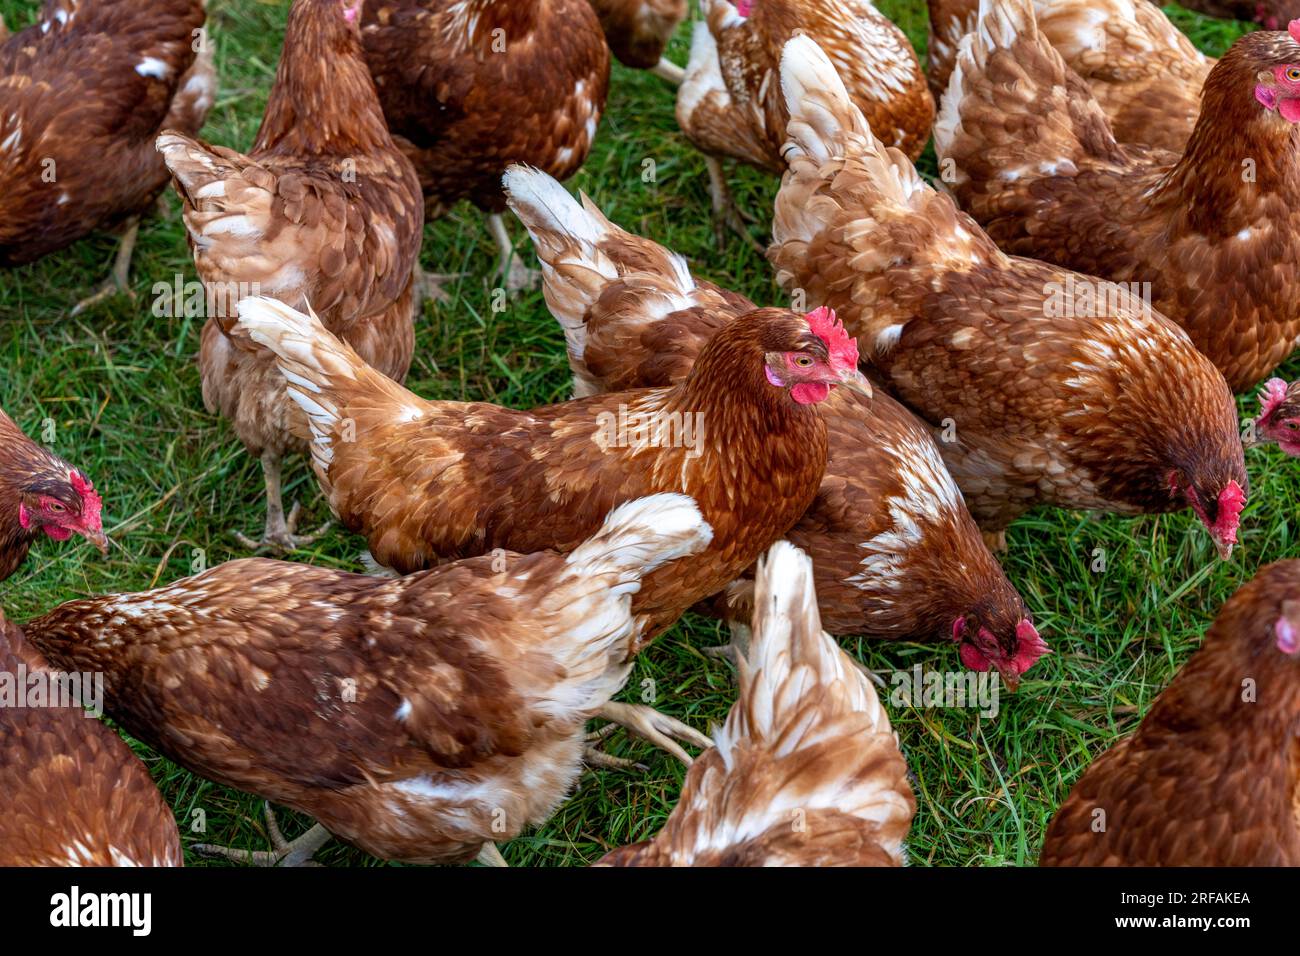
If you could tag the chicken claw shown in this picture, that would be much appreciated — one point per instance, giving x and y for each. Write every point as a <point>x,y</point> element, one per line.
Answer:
<point>119,281</point>
<point>518,277</point>
<point>667,70</point>
<point>598,758</point>
<point>430,284</point>
<point>280,534</point>
<point>727,214</point>
<point>491,856</point>
<point>659,729</point>
<point>297,852</point>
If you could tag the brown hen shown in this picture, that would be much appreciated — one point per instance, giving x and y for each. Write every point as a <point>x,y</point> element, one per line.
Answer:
<point>424,481</point>
<point>75,795</point>
<point>806,771</point>
<point>471,86</point>
<point>1144,73</point>
<point>1039,393</point>
<point>638,31</point>
<point>730,105</point>
<point>419,718</point>
<point>325,209</point>
<point>1212,775</point>
<point>895,550</point>
<point>1214,234</point>
<point>93,79</point>
<point>41,494</point>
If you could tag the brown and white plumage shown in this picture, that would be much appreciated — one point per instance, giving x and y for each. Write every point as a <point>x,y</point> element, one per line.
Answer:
<point>324,209</point>
<point>1212,775</point>
<point>1143,71</point>
<point>425,480</point>
<point>1215,230</point>
<point>470,86</point>
<point>895,550</point>
<point>638,31</point>
<point>731,106</point>
<point>1042,406</point>
<point>417,718</point>
<point>83,93</point>
<point>806,771</point>
<point>75,794</point>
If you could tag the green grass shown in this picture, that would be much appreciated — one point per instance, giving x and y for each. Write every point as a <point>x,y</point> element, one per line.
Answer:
<point>123,388</point>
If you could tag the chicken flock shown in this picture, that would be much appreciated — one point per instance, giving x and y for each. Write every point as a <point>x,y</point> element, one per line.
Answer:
<point>1061,317</point>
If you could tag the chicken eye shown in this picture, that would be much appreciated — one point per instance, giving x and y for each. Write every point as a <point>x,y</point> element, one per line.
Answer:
<point>1293,74</point>
<point>1293,425</point>
<point>803,361</point>
<point>57,508</point>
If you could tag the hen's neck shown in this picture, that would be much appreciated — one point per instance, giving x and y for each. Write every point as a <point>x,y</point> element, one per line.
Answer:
<point>324,102</point>
<point>728,388</point>
<point>1226,685</point>
<point>1238,161</point>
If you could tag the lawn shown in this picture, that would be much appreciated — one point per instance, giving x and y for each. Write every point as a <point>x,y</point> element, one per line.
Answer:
<point>122,388</point>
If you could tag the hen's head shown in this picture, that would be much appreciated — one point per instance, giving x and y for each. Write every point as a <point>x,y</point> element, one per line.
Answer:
<point>1217,500</point>
<point>809,356</point>
<point>988,640</point>
<point>60,505</point>
<point>1279,415</point>
<point>744,7</point>
<point>1277,78</point>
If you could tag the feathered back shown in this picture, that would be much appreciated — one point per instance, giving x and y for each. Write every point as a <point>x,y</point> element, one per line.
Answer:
<point>1013,106</point>
<point>854,205</point>
<point>75,794</point>
<point>617,296</point>
<point>806,770</point>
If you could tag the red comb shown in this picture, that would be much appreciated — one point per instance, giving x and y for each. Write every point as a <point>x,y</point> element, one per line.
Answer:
<point>1032,646</point>
<point>92,505</point>
<point>843,347</point>
<point>1272,394</point>
<point>1231,500</point>
<point>746,7</point>
<point>1293,28</point>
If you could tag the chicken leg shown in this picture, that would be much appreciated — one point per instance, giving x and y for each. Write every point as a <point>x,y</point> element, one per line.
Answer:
<point>298,852</point>
<point>518,277</point>
<point>667,70</point>
<point>657,728</point>
<point>280,533</point>
<point>119,280</point>
<point>726,213</point>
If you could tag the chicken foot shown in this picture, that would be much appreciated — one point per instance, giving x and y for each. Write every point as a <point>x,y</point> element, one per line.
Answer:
<point>518,277</point>
<point>659,729</point>
<point>726,213</point>
<point>280,533</point>
<point>491,856</point>
<point>119,280</point>
<point>665,69</point>
<point>296,852</point>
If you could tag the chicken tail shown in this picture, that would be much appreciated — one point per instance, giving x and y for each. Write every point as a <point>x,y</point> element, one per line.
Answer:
<point>604,572</point>
<point>1013,110</point>
<point>806,768</point>
<point>593,268</point>
<point>342,396</point>
<point>199,174</point>
<point>844,188</point>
